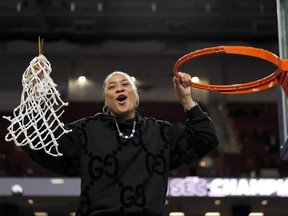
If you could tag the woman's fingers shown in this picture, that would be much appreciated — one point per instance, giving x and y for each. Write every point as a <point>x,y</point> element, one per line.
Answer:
<point>185,79</point>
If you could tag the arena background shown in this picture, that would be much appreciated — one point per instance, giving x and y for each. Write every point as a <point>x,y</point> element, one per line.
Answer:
<point>145,38</point>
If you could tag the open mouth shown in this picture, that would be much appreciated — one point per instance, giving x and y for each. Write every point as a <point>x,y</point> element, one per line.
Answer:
<point>121,98</point>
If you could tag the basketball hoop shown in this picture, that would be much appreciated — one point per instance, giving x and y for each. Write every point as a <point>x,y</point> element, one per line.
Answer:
<point>36,119</point>
<point>278,77</point>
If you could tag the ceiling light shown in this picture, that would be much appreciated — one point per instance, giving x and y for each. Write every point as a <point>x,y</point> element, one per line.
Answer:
<point>100,6</point>
<point>207,7</point>
<point>212,214</point>
<point>82,79</point>
<point>264,202</point>
<point>57,181</point>
<point>30,201</point>
<point>206,162</point>
<point>40,214</point>
<point>18,6</point>
<point>256,214</point>
<point>202,163</point>
<point>154,7</point>
<point>195,79</point>
<point>72,6</point>
<point>176,214</point>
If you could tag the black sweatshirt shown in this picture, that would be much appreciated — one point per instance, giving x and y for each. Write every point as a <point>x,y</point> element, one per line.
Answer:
<point>127,176</point>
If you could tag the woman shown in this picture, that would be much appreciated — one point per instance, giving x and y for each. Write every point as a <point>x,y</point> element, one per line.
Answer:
<point>122,158</point>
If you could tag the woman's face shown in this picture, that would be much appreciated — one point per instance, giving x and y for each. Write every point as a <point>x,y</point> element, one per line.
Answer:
<point>120,96</point>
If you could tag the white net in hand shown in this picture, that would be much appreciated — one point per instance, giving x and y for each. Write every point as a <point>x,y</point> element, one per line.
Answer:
<point>36,119</point>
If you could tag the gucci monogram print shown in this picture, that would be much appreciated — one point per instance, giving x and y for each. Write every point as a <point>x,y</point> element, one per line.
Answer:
<point>128,176</point>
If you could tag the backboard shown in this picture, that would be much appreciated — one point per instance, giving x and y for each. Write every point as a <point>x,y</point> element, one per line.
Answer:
<point>282,16</point>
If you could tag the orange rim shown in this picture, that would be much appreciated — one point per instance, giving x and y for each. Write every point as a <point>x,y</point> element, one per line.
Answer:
<point>279,76</point>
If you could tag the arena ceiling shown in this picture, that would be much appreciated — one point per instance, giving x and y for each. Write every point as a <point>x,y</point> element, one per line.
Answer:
<point>93,20</point>
<point>126,28</point>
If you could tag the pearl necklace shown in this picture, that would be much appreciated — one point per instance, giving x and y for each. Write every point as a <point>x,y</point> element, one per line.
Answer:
<point>125,136</point>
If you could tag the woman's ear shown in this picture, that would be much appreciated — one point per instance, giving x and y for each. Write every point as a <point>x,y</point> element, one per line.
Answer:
<point>137,100</point>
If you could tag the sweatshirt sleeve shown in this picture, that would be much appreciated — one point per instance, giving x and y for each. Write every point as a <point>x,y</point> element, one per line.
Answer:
<point>69,146</point>
<point>193,140</point>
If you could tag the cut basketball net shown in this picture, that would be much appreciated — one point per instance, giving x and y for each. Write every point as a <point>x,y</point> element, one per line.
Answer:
<point>278,77</point>
<point>36,120</point>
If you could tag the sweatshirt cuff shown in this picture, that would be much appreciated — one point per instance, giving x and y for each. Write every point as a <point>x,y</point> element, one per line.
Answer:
<point>195,112</point>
